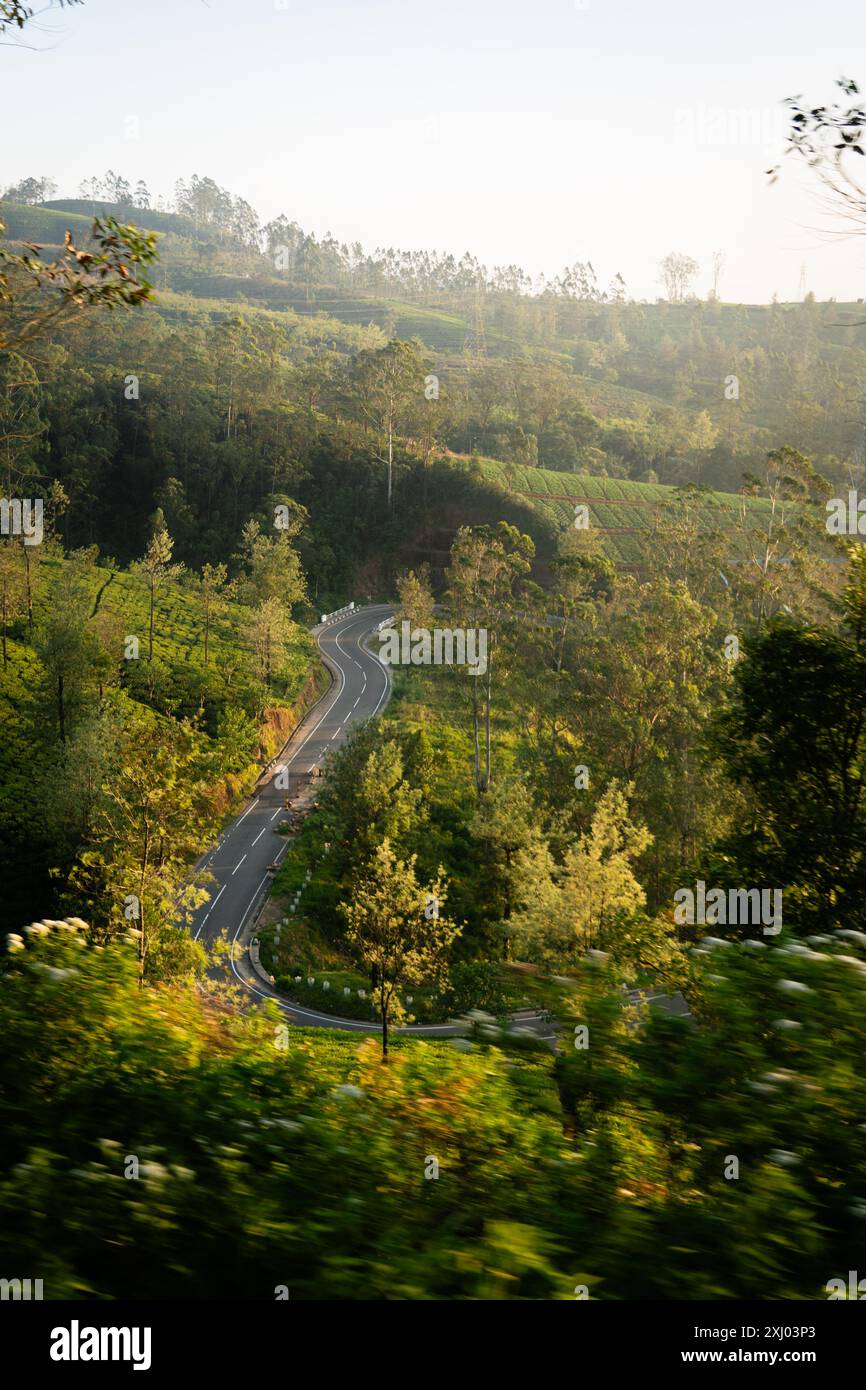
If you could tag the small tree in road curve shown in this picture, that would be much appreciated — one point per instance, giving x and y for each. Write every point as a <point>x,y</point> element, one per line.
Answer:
<point>396,925</point>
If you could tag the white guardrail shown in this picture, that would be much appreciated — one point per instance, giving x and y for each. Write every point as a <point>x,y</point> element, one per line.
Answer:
<point>338,613</point>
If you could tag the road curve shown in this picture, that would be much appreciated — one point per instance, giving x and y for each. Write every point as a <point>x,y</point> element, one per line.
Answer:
<point>239,861</point>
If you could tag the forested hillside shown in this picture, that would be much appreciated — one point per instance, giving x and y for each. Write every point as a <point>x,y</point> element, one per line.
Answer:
<point>557,373</point>
<point>242,383</point>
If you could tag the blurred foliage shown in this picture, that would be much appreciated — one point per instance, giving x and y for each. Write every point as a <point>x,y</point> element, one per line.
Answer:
<point>268,1156</point>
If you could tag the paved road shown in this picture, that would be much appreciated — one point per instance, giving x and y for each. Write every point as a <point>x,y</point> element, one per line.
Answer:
<point>239,862</point>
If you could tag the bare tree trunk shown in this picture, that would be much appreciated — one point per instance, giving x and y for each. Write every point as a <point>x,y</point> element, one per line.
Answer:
<point>142,940</point>
<point>383,1008</point>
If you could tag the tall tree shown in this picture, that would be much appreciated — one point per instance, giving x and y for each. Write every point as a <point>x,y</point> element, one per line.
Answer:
<point>147,827</point>
<point>786,541</point>
<point>396,925</point>
<point>596,888</point>
<point>213,586</point>
<point>381,383</point>
<point>367,798</point>
<point>267,634</point>
<point>513,868</point>
<point>678,272</point>
<point>416,602</point>
<point>157,569</point>
<point>794,740</point>
<point>486,566</point>
<point>68,648</point>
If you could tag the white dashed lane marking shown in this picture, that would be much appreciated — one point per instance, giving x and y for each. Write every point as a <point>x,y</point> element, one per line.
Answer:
<point>210,910</point>
<point>245,814</point>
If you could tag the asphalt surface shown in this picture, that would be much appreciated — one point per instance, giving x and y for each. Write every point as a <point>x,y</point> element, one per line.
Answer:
<point>239,861</point>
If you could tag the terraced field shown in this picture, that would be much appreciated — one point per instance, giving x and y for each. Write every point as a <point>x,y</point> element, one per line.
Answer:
<point>624,512</point>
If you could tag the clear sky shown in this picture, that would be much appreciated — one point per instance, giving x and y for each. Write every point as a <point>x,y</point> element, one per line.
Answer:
<point>528,131</point>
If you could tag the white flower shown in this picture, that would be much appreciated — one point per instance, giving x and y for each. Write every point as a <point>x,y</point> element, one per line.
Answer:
<point>786,1025</point>
<point>348,1090</point>
<point>14,942</point>
<point>793,987</point>
<point>155,1172</point>
<point>783,1157</point>
<point>54,971</point>
<point>853,962</point>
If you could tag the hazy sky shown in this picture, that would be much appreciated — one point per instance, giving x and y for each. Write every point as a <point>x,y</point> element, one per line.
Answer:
<point>527,131</point>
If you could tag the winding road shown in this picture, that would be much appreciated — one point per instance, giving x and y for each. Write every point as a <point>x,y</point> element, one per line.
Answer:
<point>239,862</point>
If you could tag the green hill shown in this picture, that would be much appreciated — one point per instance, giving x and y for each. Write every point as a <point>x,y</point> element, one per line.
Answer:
<point>624,512</point>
